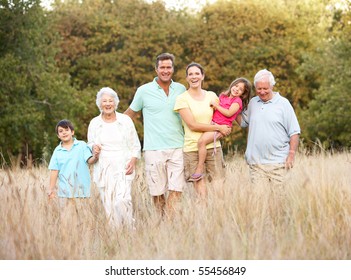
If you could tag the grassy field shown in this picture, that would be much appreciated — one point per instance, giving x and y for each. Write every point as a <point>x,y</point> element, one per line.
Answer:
<point>312,221</point>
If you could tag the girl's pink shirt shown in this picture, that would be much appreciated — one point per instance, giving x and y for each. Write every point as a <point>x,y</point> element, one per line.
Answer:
<point>226,102</point>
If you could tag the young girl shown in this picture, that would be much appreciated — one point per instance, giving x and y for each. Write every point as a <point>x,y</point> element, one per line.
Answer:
<point>231,103</point>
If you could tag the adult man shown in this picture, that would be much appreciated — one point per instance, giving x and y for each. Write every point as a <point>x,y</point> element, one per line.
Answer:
<point>163,134</point>
<point>273,132</point>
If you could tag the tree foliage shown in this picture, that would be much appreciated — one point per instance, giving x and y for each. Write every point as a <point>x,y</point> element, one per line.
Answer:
<point>114,43</point>
<point>32,92</point>
<point>327,116</point>
<point>238,38</point>
<point>52,63</point>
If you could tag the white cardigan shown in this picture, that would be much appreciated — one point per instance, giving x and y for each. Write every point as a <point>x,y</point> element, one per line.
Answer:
<point>128,141</point>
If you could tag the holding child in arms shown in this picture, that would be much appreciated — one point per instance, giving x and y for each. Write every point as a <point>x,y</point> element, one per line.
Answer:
<point>231,103</point>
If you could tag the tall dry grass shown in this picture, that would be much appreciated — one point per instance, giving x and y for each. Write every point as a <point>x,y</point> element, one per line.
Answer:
<point>312,220</point>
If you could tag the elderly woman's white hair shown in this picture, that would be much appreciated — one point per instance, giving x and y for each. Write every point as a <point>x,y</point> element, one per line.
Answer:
<point>264,74</point>
<point>108,91</point>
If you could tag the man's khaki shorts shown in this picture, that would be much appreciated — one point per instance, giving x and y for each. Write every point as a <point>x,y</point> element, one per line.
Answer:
<point>164,171</point>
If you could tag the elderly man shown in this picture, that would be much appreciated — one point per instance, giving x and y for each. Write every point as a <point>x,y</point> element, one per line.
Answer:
<point>273,132</point>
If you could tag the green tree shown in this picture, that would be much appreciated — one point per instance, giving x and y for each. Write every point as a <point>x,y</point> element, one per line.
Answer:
<point>238,38</point>
<point>327,115</point>
<point>115,43</point>
<point>33,95</point>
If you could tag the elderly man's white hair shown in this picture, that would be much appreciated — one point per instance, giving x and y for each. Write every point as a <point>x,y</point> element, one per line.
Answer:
<point>263,75</point>
<point>108,91</point>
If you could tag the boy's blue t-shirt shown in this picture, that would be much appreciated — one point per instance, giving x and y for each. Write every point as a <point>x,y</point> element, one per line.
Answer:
<point>74,173</point>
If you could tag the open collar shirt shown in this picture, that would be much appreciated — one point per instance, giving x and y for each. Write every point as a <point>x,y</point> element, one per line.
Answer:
<point>271,124</point>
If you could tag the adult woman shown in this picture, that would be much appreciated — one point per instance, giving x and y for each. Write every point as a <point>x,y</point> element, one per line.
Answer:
<point>194,108</point>
<point>114,133</point>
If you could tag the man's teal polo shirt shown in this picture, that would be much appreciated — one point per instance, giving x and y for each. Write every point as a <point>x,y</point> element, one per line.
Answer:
<point>162,126</point>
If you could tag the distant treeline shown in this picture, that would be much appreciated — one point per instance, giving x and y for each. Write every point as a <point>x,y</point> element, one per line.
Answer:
<point>52,62</point>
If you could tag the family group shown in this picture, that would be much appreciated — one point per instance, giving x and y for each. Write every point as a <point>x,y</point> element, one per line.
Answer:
<point>182,129</point>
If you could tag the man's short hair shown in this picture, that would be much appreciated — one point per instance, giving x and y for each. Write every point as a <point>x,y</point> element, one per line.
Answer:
<point>164,56</point>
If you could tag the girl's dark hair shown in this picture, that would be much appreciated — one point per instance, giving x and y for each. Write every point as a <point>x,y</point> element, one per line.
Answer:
<point>64,124</point>
<point>194,64</point>
<point>245,97</point>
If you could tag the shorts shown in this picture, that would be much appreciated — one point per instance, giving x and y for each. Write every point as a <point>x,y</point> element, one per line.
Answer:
<point>214,164</point>
<point>164,171</point>
<point>267,173</point>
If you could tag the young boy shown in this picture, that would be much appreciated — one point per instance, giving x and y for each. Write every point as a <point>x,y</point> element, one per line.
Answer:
<point>69,163</point>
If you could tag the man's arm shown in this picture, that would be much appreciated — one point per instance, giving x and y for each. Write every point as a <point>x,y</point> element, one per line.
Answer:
<point>238,119</point>
<point>294,143</point>
<point>132,114</point>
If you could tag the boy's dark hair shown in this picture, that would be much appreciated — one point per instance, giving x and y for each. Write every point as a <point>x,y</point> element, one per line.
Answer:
<point>64,124</point>
<point>164,56</point>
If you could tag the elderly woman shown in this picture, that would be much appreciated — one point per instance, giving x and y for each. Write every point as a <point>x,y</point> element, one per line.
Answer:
<point>114,134</point>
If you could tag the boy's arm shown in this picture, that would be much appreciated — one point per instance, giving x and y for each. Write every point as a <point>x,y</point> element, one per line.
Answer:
<point>53,180</point>
<point>91,154</point>
<point>92,159</point>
